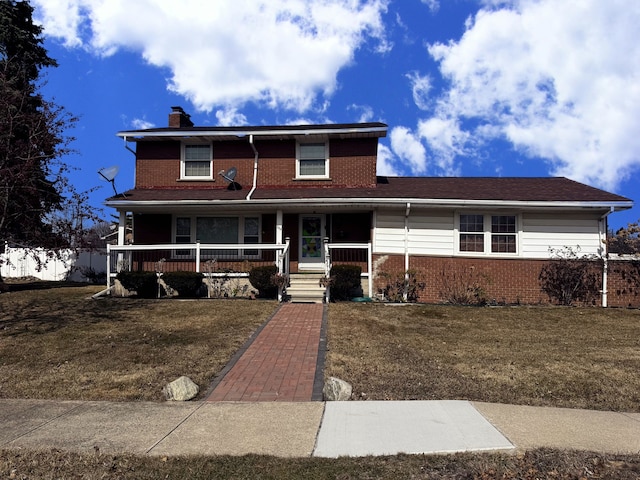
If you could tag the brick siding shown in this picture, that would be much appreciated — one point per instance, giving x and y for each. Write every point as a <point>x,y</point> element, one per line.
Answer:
<point>352,164</point>
<point>505,281</point>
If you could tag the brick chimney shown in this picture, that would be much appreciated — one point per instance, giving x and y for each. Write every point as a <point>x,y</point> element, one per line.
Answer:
<point>179,119</point>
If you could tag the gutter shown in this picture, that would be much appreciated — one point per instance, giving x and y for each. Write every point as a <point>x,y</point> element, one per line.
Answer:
<point>255,168</point>
<point>605,258</point>
<point>241,133</point>
<point>386,202</point>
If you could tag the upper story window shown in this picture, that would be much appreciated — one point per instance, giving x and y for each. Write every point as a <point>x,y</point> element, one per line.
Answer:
<point>312,160</point>
<point>196,162</point>
<point>481,233</point>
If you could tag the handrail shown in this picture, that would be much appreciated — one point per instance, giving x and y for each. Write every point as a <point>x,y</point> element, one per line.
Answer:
<point>347,246</point>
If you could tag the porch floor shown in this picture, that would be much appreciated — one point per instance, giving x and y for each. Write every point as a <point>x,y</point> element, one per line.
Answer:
<point>283,363</point>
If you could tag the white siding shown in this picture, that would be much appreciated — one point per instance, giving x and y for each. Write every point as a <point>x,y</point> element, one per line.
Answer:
<point>389,232</point>
<point>557,230</point>
<point>430,232</point>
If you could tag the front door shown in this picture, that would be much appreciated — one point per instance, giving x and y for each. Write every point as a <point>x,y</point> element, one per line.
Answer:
<point>312,232</point>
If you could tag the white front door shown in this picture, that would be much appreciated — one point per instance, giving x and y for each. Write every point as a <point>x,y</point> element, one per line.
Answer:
<point>312,232</point>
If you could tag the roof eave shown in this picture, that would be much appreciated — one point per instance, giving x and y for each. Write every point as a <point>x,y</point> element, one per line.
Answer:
<point>133,135</point>
<point>378,202</point>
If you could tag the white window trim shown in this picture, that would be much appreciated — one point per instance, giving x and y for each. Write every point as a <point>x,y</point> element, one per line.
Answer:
<point>241,235</point>
<point>487,234</point>
<point>183,175</point>
<point>326,176</point>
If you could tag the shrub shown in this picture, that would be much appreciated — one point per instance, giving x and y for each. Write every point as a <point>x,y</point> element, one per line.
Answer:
<point>345,281</point>
<point>569,277</point>
<point>145,284</point>
<point>397,285</point>
<point>463,286</point>
<point>260,279</point>
<point>187,284</point>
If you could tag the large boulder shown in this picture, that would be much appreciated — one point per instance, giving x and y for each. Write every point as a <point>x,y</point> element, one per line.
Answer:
<point>181,390</point>
<point>336,390</point>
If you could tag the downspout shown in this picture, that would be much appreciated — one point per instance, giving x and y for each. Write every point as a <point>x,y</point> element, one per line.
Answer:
<point>255,168</point>
<point>605,257</point>
<point>406,251</point>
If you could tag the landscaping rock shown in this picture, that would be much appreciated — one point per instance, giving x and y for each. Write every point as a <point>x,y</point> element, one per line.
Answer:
<point>181,390</point>
<point>336,390</point>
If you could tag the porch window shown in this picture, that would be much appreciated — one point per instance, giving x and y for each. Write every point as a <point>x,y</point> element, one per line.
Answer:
<point>312,160</point>
<point>480,233</point>
<point>196,162</point>
<point>218,230</point>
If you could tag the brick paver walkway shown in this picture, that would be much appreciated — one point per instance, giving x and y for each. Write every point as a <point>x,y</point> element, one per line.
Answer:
<point>281,362</point>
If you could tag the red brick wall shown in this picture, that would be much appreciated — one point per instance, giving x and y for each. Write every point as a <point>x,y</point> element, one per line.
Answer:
<point>624,284</point>
<point>505,281</point>
<point>352,164</point>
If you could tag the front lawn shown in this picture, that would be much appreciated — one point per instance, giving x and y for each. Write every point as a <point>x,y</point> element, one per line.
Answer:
<point>58,343</point>
<point>548,356</point>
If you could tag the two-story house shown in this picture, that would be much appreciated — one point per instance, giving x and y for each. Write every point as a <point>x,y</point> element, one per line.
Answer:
<point>293,194</point>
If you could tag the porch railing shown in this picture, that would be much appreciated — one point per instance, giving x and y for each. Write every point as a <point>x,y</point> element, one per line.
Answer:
<point>196,257</point>
<point>350,253</point>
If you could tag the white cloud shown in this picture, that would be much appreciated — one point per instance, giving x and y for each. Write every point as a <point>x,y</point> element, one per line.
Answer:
<point>230,117</point>
<point>141,124</point>
<point>406,145</point>
<point>433,5</point>
<point>558,80</point>
<point>445,140</point>
<point>283,54</point>
<point>421,88</point>
<point>386,160</point>
<point>365,112</point>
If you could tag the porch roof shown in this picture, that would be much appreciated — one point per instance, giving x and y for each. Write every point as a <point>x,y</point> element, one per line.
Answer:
<point>437,191</point>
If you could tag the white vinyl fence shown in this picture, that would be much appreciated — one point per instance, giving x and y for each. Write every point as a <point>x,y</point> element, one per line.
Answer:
<point>17,262</point>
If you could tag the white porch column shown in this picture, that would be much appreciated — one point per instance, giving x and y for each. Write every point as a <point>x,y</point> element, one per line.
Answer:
<point>122,225</point>
<point>279,234</point>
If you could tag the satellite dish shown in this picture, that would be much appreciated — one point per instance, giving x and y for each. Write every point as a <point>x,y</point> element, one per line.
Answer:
<point>109,175</point>
<point>229,176</point>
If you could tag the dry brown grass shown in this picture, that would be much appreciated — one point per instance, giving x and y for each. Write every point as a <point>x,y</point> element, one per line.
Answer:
<point>58,343</point>
<point>537,464</point>
<point>552,356</point>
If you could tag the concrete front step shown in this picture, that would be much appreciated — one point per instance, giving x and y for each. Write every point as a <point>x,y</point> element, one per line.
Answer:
<point>305,287</point>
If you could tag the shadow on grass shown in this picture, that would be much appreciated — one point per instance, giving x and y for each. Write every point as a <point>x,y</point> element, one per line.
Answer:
<point>42,307</point>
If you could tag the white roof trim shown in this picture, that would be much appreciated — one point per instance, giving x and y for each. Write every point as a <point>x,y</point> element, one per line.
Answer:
<point>374,202</point>
<point>241,133</point>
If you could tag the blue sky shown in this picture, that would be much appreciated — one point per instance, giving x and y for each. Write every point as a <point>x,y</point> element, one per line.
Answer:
<point>467,87</point>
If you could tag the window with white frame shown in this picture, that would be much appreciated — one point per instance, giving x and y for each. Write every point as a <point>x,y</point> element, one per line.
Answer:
<point>312,160</point>
<point>218,230</point>
<point>486,233</point>
<point>196,162</point>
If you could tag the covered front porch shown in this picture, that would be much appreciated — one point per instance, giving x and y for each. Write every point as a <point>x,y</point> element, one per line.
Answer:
<point>296,243</point>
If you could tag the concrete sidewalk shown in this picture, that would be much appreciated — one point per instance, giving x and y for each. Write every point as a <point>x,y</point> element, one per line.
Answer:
<point>303,429</point>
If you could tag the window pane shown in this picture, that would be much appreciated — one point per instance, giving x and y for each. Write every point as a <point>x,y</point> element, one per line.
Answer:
<point>183,226</point>
<point>197,152</point>
<point>251,233</point>
<point>197,169</point>
<point>503,224</point>
<point>217,229</point>
<point>472,223</point>
<point>251,225</point>
<point>312,167</point>
<point>471,242</point>
<point>503,243</point>
<point>314,151</point>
